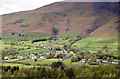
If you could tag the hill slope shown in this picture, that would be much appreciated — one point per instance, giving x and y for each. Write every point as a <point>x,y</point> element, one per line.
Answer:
<point>71,18</point>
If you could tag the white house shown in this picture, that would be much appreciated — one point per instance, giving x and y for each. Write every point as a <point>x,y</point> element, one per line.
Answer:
<point>50,48</point>
<point>61,51</point>
<point>33,57</point>
<point>6,58</point>
<point>21,57</point>
<point>71,52</point>
<point>57,52</point>
<point>48,52</point>
<point>74,55</point>
<point>46,47</point>
<point>65,51</point>
<point>42,56</point>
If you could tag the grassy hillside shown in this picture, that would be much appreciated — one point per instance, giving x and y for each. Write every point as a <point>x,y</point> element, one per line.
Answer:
<point>70,18</point>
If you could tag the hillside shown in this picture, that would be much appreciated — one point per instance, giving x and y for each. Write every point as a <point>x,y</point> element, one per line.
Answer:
<point>97,20</point>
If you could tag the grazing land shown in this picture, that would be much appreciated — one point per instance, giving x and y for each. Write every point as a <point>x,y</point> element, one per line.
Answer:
<point>76,40</point>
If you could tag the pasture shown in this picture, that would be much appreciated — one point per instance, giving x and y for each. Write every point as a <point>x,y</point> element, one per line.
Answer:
<point>21,44</point>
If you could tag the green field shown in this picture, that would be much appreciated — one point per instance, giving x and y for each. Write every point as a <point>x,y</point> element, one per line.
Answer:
<point>24,46</point>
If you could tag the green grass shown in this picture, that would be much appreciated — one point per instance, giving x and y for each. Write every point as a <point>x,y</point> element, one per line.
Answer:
<point>67,61</point>
<point>39,61</point>
<point>11,60</point>
<point>77,62</point>
<point>93,47</point>
<point>20,65</point>
<point>27,36</point>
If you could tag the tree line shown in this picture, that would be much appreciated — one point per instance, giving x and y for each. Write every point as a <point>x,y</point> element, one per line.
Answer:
<point>73,71</point>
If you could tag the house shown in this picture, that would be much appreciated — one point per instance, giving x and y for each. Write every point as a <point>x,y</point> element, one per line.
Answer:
<point>66,57</point>
<point>51,48</point>
<point>82,60</point>
<point>61,51</point>
<point>31,54</point>
<point>65,51</point>
<point>48,52</point>
<point>21,57</point>
<point>42,46</point>
<point>28,56</point>
<point>46,47</point>
<point>71,52</point>
<point>6,58</point>
<point>57,52</point>
<point>42,56</point>
<point>74,55</point>
<point>33,57</point>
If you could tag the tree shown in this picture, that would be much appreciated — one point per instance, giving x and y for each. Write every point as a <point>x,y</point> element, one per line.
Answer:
<point>70,73</point>
<point>48,56</point>
<point>111,59</point>
<point>61,74</point>
<point>73,59</point>
<point>86,58</point>
<point>15,74</point>
<point>108,59</point>
<point>54,31</point>
<point>35,60</point>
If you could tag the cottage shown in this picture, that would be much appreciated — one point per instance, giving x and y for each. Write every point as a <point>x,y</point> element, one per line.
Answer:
<point>65,51</point>
<point>6,58</point>
<point>31,54</point>
<point>57,52</point>
<point>66,57</point>
<point>61,51</point>
<point>33,57</point>
<point>46,47</point>
<point>48,52</point>
<point>74,55</point>
<point>42,46</point>
<point>51,48</point>
<point>28,56</point>
<point>21,57</point>
<point>42,56</point>
<point>71,52</point>
<point>82,60</point>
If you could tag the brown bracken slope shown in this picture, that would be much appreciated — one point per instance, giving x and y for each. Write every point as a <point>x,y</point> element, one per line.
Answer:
<point>70,18</point>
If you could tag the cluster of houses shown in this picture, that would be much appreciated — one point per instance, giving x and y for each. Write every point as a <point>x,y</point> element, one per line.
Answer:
<point>18,57</point>
<point>33,56</point>
<point>44,47</point>
<point>57,52</point>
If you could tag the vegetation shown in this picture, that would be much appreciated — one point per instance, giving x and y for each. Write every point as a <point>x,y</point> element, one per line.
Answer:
<point>68,73</point>
<point>61,58</point>
<point>54,31</point>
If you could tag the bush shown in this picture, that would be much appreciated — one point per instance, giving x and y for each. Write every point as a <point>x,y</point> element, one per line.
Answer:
<point>35,60</point>
<point>27,64</point>
<point>12,43</point>
<point>94,63</point>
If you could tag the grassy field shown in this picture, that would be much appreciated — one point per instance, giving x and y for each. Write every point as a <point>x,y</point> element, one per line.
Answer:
<point>24,46</point>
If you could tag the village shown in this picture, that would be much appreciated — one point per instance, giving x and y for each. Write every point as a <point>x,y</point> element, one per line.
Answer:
<point>58,53</point>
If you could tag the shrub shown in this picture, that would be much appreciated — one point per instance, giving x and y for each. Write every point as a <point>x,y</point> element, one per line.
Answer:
<point>35,60</point>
